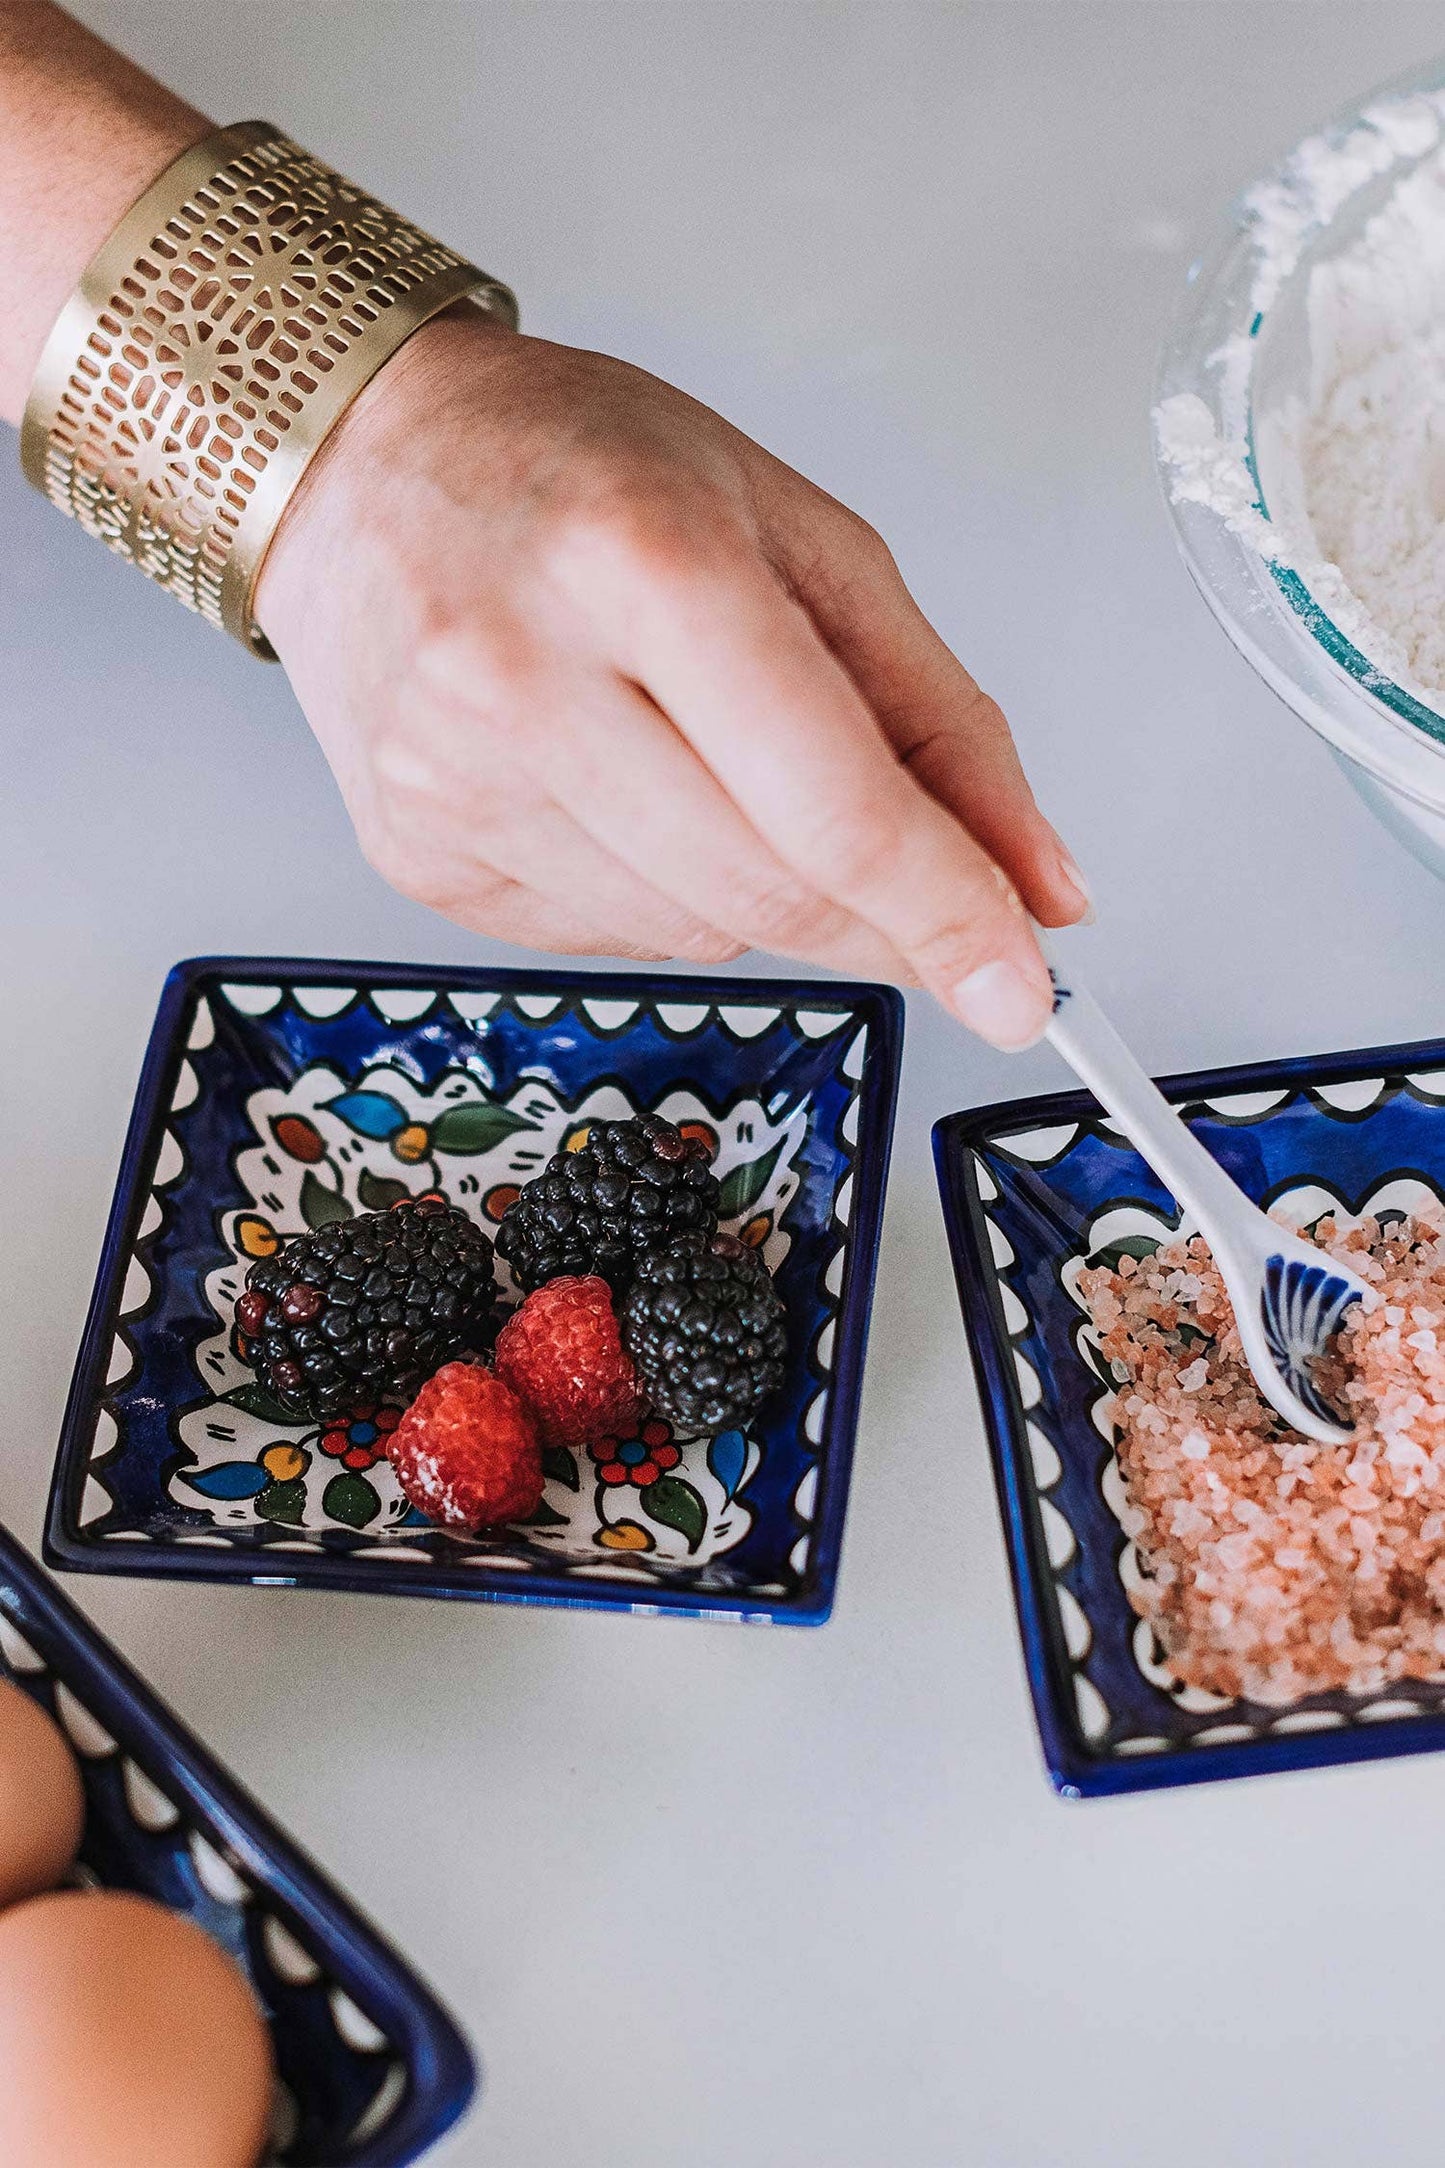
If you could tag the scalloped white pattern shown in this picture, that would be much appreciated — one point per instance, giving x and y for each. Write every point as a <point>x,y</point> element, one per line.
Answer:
<point>1301,1206</point>
<point>744,1019</point>
<point>154,1810</point>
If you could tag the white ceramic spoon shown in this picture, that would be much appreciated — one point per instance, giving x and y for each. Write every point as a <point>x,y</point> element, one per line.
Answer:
<point>1289,1298</point>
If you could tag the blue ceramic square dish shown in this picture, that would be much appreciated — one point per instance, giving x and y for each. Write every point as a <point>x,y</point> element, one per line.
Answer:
<point>279,1095</point>
<point>1031,1190</point>
<point>371,2069</point>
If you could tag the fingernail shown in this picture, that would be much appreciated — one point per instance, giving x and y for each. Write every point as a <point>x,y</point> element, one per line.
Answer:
<point>1074,879</point>
<point>1002,1006</point>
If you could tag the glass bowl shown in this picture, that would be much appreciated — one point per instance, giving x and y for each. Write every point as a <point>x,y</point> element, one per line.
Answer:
<point>1240,347</point>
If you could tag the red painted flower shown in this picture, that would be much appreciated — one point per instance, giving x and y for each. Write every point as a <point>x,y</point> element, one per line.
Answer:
<point>640,1460</point>
<point>360,1440</point>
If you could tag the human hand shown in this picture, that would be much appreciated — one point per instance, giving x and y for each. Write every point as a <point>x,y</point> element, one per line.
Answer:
<point>596,673</point>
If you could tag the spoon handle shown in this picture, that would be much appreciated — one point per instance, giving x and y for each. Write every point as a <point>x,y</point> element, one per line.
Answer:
<point>1089,1043</point>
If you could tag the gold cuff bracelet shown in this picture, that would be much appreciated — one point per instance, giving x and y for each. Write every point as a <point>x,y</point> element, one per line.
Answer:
<point>236,311</point>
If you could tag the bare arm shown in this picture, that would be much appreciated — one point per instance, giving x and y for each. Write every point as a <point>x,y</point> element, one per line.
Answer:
<point>594,671</point>
<point>82,134</point>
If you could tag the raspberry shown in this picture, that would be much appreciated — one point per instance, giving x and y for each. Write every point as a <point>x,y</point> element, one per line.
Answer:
<point>466,1451</point>
<point>562,1354</point>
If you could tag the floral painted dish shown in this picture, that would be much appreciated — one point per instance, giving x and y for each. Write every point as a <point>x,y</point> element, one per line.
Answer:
<point>371,2069</point>
<point>1033,1190</point>
<point>281,1095</point>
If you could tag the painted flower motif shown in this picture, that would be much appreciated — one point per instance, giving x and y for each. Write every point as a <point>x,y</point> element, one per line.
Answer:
<point>256,1237</point>
<point>299,1138</point>
<point>285,1463</point>
<point>360,1441</point>
<point>326,1148</point>
<point>640,1460</point>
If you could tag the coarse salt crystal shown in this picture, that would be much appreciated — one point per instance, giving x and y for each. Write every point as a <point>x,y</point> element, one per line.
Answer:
<point>1254,1543</point>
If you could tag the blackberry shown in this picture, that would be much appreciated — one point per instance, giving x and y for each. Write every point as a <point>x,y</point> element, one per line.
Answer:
<point>708,1332</point>
<point>369,1306</point>
<point>632,1189</point>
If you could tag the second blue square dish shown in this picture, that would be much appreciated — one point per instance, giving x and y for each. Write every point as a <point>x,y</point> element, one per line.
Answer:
<point>1033,1190</point>
<point>280,1095</point>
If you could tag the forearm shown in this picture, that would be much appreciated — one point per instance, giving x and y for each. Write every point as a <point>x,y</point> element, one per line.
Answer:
<point>82,134</point>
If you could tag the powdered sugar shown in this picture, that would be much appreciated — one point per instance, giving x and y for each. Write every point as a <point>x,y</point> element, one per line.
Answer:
<point>1370,445</point>
<point>1354,465</point>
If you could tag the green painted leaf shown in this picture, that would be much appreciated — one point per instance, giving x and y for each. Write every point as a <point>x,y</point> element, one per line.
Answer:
<point>545,1517</point>
<point>673,1503</point>
<point>472,1129</point>
<point>378,1192</point>
<point>742,1186</point>
<point>255,1399</point>
<point>320,1206</point>
<point>559,1465</point>
<point>349,1498</point>
<point>283,1502</point>
<point>1127,1246</point>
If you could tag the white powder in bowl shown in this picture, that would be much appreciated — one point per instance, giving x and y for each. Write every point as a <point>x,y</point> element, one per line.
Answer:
<point>1354,470</point>
<point>1370,447</point>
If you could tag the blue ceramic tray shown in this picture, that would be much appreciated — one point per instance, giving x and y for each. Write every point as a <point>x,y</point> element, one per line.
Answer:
<point>1031,1188</point>
<point>371,2068</point>
<point>278,1095</point>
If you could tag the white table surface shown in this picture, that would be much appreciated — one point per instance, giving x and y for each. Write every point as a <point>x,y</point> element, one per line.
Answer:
<point>702,1896</point>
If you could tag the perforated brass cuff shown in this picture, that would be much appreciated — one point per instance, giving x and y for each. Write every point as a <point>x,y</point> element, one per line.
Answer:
<point>236,311</point>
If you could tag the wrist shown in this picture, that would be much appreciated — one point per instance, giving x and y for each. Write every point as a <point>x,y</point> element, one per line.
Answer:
<point>237,309</point>
<point>337,499</point>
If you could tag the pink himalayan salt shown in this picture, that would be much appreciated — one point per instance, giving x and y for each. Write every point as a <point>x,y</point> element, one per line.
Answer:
<point>1274,1567</point>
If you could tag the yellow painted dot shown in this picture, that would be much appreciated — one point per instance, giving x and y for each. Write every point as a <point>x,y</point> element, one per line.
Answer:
<point>757,1230</point>
<point>283,1463</point>
<point>411,1144</point>
<point>577,1138</point>
<point>624,1536</point>
<point>257,1237</point>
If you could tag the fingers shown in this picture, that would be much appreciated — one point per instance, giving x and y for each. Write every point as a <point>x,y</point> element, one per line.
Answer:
<point>415,853</point>
<point>448,787</point>
<point>775,717</point>
<point>968,763</point>
<point>486,902</point>
<point>611,759</point>
<point>950,734</point>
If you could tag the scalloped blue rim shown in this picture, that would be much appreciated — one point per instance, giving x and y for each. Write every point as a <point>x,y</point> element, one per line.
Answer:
<point>65,1545</point>
<point>1074,1769</point>
<point>442,2076</point>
